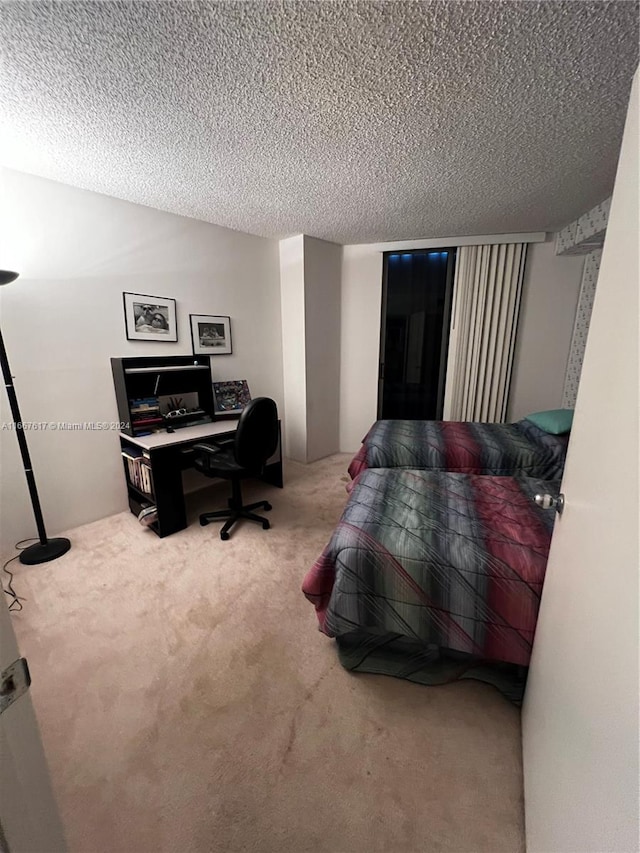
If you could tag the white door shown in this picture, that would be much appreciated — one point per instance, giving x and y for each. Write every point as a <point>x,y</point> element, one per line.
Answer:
<point>580,716</point>
<point>29,820</point>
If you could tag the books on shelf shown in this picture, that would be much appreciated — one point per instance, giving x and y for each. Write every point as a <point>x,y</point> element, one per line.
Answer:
<point>145,414</point>
<point>145,477</point>
<point>139,469</point>
<point>144,406</point>
<point>143,402</point>
<point>144,426</point>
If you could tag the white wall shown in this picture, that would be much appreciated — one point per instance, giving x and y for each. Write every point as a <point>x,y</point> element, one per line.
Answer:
<point>310,290</point>
<point>359,343</point>
<point>77,252</point>
<point>580,716</point>
<point>549,299</point>
<point>294,346</point>
<point>322,268</point>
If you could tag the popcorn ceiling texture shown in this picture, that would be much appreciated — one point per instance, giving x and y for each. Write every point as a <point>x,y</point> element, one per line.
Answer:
<point>348,121</point>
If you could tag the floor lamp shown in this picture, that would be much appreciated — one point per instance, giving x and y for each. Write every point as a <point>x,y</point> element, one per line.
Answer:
<point>46,549</point>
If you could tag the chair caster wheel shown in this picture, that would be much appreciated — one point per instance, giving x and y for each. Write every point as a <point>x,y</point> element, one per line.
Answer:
<point>204,522</point>
<point>265,525</point>
<point>267,506</point>
<point>224,535</point>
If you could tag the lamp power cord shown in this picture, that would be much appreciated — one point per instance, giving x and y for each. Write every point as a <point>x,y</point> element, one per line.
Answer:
<point>16,600</point>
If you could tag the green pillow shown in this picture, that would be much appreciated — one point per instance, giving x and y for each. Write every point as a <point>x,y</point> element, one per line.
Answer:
<point>555,421</point>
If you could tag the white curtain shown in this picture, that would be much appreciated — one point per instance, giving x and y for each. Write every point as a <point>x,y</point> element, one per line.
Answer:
<point>487,290</point>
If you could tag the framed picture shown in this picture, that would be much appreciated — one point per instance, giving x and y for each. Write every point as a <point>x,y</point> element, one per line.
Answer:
<point>230,397</point>
<point>150,318</point>
<point>210,335</point>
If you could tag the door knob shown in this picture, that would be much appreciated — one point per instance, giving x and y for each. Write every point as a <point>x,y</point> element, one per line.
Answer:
<point>547,501</point>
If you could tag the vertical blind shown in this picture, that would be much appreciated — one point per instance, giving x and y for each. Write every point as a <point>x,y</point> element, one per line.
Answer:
<point>487,291</point>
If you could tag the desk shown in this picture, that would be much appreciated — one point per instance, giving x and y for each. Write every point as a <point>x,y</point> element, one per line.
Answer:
<point>167,455</point>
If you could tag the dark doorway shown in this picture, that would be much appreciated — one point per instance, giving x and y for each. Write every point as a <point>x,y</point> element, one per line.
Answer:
<point>416,312</point>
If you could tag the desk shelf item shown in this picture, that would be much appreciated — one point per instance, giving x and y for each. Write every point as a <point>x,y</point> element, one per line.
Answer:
<point>144,383</point>
<point>148,516</point>
<point>167,368</point>
<point>191,417</point>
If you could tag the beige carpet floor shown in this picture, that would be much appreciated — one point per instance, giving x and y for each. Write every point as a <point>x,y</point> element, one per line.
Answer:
<point>188,702</point>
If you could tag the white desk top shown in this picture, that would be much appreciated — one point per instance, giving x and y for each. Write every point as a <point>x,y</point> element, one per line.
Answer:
<point>183,435</point>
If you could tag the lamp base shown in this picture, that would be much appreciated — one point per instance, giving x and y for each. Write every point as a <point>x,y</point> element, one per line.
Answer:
<point>39,553</point>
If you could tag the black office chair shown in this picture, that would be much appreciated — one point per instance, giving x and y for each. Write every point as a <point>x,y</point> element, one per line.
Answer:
<point>255,441</point>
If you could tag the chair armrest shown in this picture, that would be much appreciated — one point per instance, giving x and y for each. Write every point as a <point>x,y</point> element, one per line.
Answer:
<point>208,449</point>
<point>226,442</point>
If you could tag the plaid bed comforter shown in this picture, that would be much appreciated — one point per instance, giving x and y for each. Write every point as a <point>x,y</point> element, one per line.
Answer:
<point>453,560</point>
<point>465,447</point>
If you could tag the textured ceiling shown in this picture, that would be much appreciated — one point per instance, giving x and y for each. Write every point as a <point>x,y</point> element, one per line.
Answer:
<point>349,121</point>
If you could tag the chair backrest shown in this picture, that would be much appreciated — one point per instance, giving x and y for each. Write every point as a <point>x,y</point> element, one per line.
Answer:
<point>257,433</point>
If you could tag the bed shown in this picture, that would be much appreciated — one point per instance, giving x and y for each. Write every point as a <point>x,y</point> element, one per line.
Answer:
<point>434,576</point>
<point>464,447</point>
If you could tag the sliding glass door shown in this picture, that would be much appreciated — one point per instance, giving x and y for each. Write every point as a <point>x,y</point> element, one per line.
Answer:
<point>416,312</point>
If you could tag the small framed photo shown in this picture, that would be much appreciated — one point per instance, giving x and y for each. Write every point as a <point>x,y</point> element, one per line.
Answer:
<point>150,318</point>
<point>210,335</point>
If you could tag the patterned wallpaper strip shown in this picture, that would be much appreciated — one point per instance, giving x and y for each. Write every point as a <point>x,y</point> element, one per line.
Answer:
<point>586,233</point>
<point>566,238</point>
<point>581,328</point>
<point>594,223</point>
